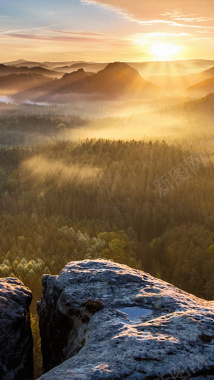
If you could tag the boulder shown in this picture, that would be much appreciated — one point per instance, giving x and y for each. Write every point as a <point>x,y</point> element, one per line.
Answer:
<point>16,343</point>
<point>102,320</point>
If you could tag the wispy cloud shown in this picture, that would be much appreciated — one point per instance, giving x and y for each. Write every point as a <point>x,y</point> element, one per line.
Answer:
<point>49,34</point>
<point>78,37</point>
<point>72,38</point>
<point>4,30</point>
<point>105,29</point>
<point>181,14</point>
<point>164,34</point>
<point>92,34</point>
<point>173,23</point>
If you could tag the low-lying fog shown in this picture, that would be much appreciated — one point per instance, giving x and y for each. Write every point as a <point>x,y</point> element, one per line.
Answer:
<point>171,119</point>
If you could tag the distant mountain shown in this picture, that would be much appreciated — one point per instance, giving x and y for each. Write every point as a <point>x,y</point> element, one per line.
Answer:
<point>160,68</point>
<point>47,64</point>
<point>196,65</point>
<point>54,64</point>
<point>92,67</point>
<point>209,99</point>
<point>144,68</point>
<point>23,62</point>
<point>6,70</point>
<point>173,83</point>
<point>202,76</point>
<point>204,105</point>
<point>196,108</point>
<point>39,70</point>
<point>64,84</point>
<point>147,68</point>
<point>116,79</point>
<point>208,73</point>
<point>46,89</point>
<point>20,82</point>
<point>202,88</point>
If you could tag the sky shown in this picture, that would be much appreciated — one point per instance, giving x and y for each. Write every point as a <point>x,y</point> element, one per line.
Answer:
<point>106,30</point>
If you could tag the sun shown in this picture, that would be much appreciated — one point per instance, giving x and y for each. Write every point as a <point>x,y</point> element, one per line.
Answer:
<point>164,51</point>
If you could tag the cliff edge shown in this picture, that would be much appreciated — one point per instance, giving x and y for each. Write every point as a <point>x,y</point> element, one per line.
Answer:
<point>16,343</point>
<point>102,320</point>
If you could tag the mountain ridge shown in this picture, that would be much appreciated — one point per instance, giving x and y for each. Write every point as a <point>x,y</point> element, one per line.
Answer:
<point>114,81</point>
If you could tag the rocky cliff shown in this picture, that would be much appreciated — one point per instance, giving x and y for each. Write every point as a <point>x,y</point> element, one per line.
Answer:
<point>103,320</point>
<point>16,344</point>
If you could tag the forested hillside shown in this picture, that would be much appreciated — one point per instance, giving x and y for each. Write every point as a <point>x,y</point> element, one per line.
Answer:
<point>147,204</point>
<point>99,198</point>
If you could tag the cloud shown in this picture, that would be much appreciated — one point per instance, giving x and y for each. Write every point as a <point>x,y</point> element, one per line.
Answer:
<point>69,37</point>
<point>187,11</point>
<point>85,34</point>
<point>173,23</point>
<point>5,31</point>
<point>80,38</point>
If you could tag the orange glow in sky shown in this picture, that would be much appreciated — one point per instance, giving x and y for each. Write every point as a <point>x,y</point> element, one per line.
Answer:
<point>106,30</point>
<point>164,51</point>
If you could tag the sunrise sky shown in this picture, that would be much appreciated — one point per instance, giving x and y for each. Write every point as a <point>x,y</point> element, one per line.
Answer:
<point>106,30</point>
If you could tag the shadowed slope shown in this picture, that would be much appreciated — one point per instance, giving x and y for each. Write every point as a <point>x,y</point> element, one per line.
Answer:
<point>115,80</point>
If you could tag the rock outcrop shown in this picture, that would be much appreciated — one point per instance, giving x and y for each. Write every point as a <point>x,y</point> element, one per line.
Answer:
<point>103,320</point>
<point>16,344</point>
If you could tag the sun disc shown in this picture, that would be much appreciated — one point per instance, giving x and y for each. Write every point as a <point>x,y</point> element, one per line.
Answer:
<point>164,50</point>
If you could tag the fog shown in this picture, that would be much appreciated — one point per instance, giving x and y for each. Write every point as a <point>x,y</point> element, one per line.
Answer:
<point>176,106</point>
<point>40,170</point>
<point>174,120</point>
<point>181,120</point>
<point>6,99</point>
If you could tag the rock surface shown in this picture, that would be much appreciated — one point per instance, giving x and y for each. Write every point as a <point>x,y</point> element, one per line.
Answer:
<point>16,344</point>
<point>114,322</point>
